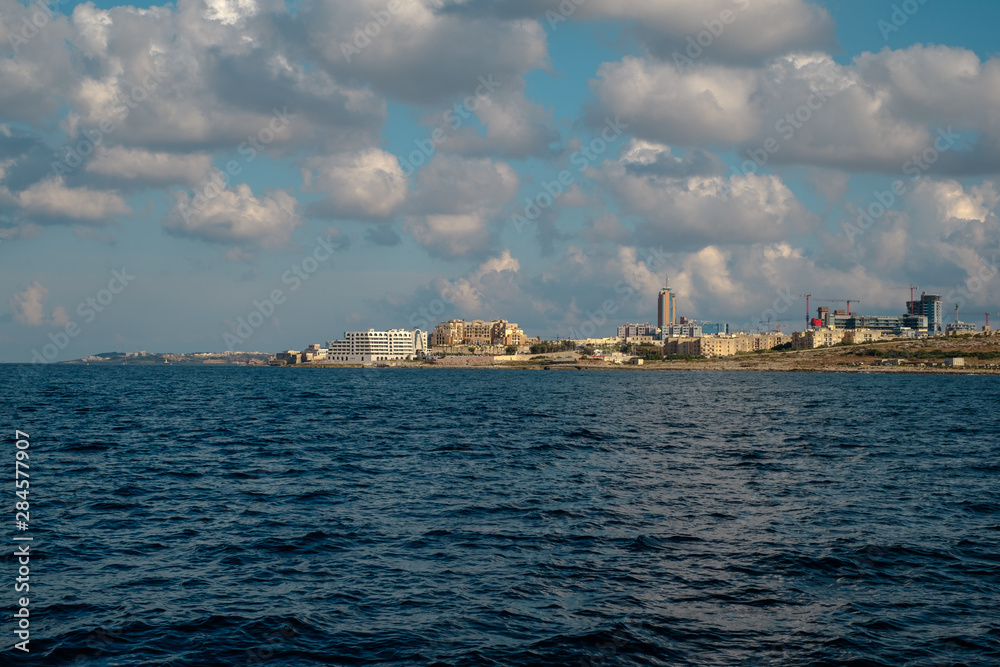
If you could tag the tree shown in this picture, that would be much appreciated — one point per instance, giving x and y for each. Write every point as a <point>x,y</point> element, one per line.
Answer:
<point>511,350</point>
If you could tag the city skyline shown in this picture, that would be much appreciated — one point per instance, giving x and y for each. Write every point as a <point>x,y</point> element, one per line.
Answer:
<point>227,174</point>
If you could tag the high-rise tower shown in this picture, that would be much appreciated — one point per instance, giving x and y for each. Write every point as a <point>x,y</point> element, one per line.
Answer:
<point>666,307</point>
<point>930,307</point>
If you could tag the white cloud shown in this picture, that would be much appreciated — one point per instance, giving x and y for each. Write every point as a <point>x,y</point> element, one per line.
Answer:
<point>454,202</point>
<point>737,30</point>
<point>753,29</point>
<point>943,206</point>
<point>876,113</point>
<point>701,209</point>
<point>229,12</point>
<point>368,184</point>
<point>451,236</point>
<point>451,184</point>
<point>137,164</point>
<point>235,215</point>
<point>29,308</point>
<point>710,105</point>
<point>515,126</point>
<point>421,55</point>
<point>51,199</point>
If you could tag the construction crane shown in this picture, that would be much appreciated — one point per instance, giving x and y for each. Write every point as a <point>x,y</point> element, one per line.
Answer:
<point>777,324</point>
<point>808,315</point>
<point>911,288</point>
<point>847,301</point>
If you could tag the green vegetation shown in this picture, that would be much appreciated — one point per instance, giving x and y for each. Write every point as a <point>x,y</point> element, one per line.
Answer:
<point>545,346</point>
<point>648,352</point>
<point>511,350</point>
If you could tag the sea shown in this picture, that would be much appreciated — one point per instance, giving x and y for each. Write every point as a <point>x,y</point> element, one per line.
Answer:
<point>225,515</point>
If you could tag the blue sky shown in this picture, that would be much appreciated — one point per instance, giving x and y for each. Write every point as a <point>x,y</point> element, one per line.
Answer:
<point>318,125</point>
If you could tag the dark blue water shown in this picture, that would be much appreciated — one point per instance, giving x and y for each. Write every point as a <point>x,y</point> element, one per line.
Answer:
<point>242,516</point>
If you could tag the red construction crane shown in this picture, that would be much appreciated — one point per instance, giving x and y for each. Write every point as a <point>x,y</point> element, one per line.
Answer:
<point>808,315</point>
<point>847,301</point>
<point>911,288</point>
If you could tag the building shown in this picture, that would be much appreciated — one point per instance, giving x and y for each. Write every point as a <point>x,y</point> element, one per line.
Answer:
<point>688,346</point>
<point>371,345</point>
<point>503,332</point>
<point>713,328</point>
<point>681,331</point>
<point>863,335</point>
<point>930,307</point>
<point>840,319</point>
<point>954,361</point>
<point>643,340</point>
<point>824,337</point>
<point>609,341</point>
<point>724,345</point>
<point>448,333</point>
<point>666,309</point>
<point>629,331</point>
<point>315,353</point>
<point>761,341</point>
<point>289,357</point>
<point>954,328</point>
<point>718,346</point>
<point>478,332</point>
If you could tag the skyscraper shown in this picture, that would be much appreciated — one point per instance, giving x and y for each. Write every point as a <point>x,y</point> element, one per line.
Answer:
<point>930,307</point>
<point>666,310</point>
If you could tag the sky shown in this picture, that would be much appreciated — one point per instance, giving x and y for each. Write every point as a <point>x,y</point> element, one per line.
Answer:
<point>260,175</point>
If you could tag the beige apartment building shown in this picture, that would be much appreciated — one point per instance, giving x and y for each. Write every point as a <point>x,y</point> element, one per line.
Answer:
<point>863,335</point>
<point>478,332</point>
<point>725,345</point>
<point>503,332</point>
<point>807,340</point>
<point>762,341</point>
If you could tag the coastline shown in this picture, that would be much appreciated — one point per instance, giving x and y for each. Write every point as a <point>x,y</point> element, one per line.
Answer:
<point>680,367</point>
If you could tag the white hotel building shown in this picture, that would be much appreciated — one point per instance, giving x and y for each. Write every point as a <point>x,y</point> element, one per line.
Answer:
<point>371,345</point>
